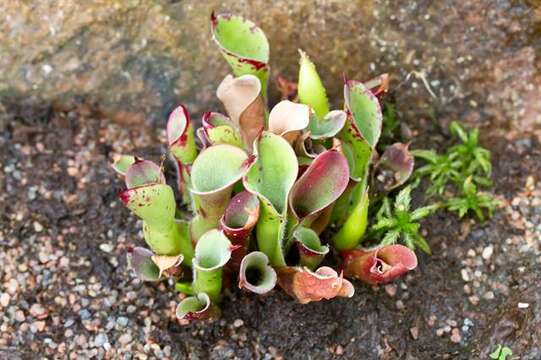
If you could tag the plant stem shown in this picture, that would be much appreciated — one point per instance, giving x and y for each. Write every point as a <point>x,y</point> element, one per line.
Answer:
<point>270,232</point>
<point>349,236</point>
<point>185,288</point>
<point>208,281</point>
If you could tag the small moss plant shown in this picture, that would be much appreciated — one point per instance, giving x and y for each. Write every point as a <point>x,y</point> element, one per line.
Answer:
<point>462,170</point>
<point>471,200</point>
<point>400,223</point>
<point>262,186</point>
<point>501,353</point>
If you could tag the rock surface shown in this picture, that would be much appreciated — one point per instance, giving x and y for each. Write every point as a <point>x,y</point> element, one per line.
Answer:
<point>134,60</point>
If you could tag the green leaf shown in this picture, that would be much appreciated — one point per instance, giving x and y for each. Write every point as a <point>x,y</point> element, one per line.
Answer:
<point>214,173</point>
<point>428,155</point>
<point>505,353</point>
<point>155,203</point>
<point>420,242</point>
<point>193,307</point>
<point>384,223</point>
<point>423,212</point>
<point>501,353</point>
<point>185,241</point>
<point>243,45</point>
<point>180,135</point>
<point>327,126</point>
<point>365,110</point>
<point>218,167</point>
<point>482,181</point>
<point>122,164</point>
<point>274,172</point>
<point>185,288</point>
<point>270,232</point>
<point>166,238</point>
<point>385,209</point>
<point>310,88</point>
<point>496,354</point>
<point>218,129</point>
<point>353,229</point>
<point>356,150</point>
<point>257,263</point>
<point>271,178</point>
<point>143,172</point>
<point>212,252</point>
<point>310,249</point>
<point>457,130</point>
<point>403,199</point>
<point>320,185</point>
<point>390,237</point>
<point>409,240</point>
<point>224,135</point>
<point>484,161</point>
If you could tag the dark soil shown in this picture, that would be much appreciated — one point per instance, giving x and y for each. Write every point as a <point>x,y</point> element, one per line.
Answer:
<point>59,206</point>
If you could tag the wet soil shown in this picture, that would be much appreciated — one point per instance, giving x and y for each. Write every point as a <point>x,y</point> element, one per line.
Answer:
<point>59,207</point>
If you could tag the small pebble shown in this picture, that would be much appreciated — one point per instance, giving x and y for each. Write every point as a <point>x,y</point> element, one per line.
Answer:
<point>474,299</point>
<point>414,331</point>
<point>238,323</point>
<point>64,262</point>
<point>38,311</point>
<point>72,171</point>
<point>522,305</point>
<point>390,289</point>
<point>39,325</point>
<point>447,328</point>
<point>465,275</point>
<point>100,340</point>
<point>125,338</point>
<point>487,252</point>
<point>122,321</point>
<point>19,316</point>
<point>4,299</point>
<point>108,248</point>
<point>80,340</point>
<point>84,314</point>
<point>455,336</point>
<point>37,227</point>
<point>489,295</point>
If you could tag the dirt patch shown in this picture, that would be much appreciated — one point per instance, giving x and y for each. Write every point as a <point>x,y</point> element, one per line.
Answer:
<point>64,233</point>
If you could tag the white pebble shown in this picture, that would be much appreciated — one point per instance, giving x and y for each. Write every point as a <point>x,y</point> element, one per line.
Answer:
<point>37,226</point>
<point>106,248</point>
<point>487,252</point>
<point>465,275</point>
<point>124,339</point>
<point>4,299</point>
